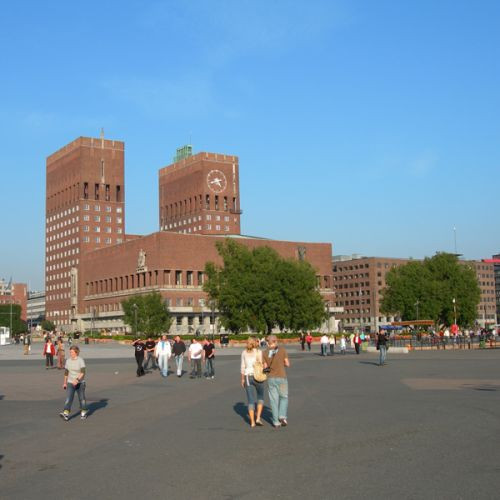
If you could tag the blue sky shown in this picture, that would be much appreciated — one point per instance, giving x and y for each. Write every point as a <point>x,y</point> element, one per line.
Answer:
<point>370,125</point>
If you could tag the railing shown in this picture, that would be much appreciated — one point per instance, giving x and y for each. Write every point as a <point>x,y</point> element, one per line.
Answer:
<point>437,342</point>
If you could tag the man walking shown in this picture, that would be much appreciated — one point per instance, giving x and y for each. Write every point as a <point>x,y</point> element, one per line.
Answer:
<point>276,359</point>
<point>357,343</point>
<point>178,349</point>
<point>150,354</point>
<point>195,354</point>
<point>74,381</point>
<point>209,356</point>
<point>382,347</point>
<point>324,345</point>
<point>162,352</point>
<point>139,347</point>
<point>27,343</point>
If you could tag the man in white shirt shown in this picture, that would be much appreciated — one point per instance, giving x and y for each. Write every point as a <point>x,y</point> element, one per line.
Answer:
<point>163,351</point>
<point>324,344</point>
<point>195,353</point>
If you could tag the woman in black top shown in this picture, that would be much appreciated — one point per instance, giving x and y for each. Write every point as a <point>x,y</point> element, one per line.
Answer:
<point>139,347</point>
<point>382,347</point>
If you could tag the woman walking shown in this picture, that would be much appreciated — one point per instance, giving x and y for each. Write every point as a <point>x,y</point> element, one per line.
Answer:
<point>253,388</point>
<point>61,358</point>
<point>49,352</point>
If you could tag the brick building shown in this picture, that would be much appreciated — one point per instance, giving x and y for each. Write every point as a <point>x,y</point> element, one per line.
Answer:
<point>358,281</point>
<point>85,210</point>
<point>91,266</point>
<point>173,265</point>
<point>200,195</point>
<point>495,260</point>
<point>14,293</point>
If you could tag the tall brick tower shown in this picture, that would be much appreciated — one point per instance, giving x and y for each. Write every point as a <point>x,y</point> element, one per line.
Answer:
<point>85,210</point>
<point>199,194</point>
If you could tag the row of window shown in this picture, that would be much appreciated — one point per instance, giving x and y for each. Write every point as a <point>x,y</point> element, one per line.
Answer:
<point>97,229</point>
<point>58,246</point>
<point>102,192</point>
<point>194,205</point>
<point>97,239</point>
<point>62,213</point>
<point>97,208</point>
<point>63,234</point>
<point>164,277</point>
<point>64,223</point>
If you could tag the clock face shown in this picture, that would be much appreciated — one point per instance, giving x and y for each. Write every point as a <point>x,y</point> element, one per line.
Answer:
<point>216,181</point>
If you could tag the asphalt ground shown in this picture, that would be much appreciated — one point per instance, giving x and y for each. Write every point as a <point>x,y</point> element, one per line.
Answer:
<point>427,425</point>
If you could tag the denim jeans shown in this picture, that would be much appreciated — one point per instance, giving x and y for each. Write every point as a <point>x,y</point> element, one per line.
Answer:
<point>150,356</point>
<point>324,349</point>
<point>383,354</point>
<point>278,398</point>
<point>70,394</point>
<point>209,367</point>
<point>163,364</point>
<point>332,349</point>
<point>255,392</point>
<point>196,368</point>
<point>178,363</point>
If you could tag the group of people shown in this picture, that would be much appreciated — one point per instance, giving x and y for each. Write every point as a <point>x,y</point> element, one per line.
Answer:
<point>159,354</point>
<point>50,350</point>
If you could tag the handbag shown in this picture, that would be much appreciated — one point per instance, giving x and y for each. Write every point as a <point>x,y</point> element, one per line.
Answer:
<point>258,369</point>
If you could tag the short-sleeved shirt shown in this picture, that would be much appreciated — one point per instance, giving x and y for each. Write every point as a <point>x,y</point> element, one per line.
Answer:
<point>209,350</point>
<point>150,344</point>
<point>74,367</point>
<point>195,350</point>
<point>276,362</point>
<point>139,348</point>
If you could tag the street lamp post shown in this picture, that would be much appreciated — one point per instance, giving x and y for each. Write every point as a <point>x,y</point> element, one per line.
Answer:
<point>417,304</point>
<point>327,315</point>
<point>454,311</point>
<point>212,307</point>
<point>135,317</point>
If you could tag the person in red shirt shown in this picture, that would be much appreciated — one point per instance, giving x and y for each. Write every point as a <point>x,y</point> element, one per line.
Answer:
<point>357,342</point>
<point>49,352</point>
<point>309,339</point>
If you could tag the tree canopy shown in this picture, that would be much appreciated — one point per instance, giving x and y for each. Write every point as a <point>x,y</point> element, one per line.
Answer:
<point>48,325</point>
<point>18,325</point>
<point>432,283</point>
<point>153,316</point>
<point>260,290</point>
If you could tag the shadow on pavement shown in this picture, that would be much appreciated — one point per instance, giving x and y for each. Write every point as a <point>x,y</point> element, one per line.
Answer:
<point>97,405</point>
<point>242,410</point>
<point>1,456</point>
<point>374,363</point>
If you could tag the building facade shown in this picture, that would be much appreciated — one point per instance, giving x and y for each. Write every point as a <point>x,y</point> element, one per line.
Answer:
<point>91,265</point>
<point>495,260</point>
<point>36,308</point>
<point>199,194</point>
<point>358,282</point>
<point>85,210</point>
<point>173,265</point>
<point>14,293</point>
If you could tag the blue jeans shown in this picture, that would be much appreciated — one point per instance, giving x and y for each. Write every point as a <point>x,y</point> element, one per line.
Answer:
<point>178,363</point>
<point>278,397</point>
<point>209,367</point>
<point>383,354</point>
<point>163,365</point>
<point>324,349</point>
<point>255,392</point>
<point>70,394</point>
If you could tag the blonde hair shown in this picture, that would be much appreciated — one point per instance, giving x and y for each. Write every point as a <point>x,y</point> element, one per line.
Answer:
<point>251,343</point>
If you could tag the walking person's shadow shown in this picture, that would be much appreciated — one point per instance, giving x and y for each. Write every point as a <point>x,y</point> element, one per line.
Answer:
<point>97,405</point>
<point>242,410</point>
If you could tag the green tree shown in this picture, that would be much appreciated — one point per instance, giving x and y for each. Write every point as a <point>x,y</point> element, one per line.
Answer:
<point>433,284</point>
<point>152,316</point>
<point>258,289</point>
<point>18,325</point>
<point>48,325</point>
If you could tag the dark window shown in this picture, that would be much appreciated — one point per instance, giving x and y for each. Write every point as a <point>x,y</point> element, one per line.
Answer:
<point>85,190</point>
<point>96,191</point>
<point>107,193</point>
<point>118,193</point>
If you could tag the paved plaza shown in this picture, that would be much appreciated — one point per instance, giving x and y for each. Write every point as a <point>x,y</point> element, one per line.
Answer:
<point>425,426</point>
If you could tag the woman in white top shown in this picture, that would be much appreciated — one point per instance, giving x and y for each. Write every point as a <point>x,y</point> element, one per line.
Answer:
<point>254,389</point>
